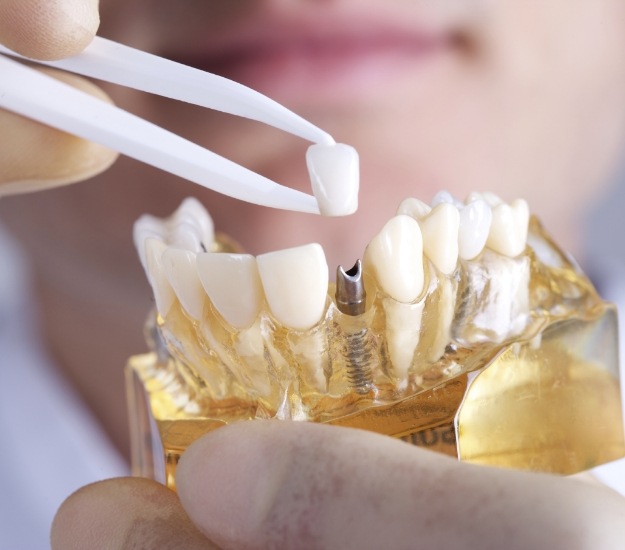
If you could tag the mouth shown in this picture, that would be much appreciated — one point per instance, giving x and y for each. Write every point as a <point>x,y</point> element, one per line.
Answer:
<point>337,57</point>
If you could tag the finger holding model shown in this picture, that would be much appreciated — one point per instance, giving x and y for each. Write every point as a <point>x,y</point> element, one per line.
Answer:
<point>34,156</point>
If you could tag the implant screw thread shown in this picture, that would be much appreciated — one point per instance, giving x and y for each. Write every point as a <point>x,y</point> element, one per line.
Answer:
<point>357,353</point>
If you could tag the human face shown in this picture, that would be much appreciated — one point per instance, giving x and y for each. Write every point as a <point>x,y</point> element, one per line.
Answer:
<point>520,97</point>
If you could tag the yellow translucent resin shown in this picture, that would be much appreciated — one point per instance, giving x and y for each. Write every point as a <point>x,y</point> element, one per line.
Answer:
<point>509,362</point>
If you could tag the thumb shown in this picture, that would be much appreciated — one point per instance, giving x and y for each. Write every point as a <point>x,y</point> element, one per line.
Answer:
<point>48,29</point>
<point>34,156</point>
<point>280,484</point>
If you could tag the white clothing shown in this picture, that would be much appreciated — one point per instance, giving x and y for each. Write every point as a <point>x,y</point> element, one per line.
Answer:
<point>50,445</point>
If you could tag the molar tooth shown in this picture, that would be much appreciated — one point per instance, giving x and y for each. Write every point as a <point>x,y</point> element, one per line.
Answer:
<point>440,237</point>
<point>335,177</point>
<point>192,209</point>
<point>233,286</point>
<point>191,226</point>
<point>186,235</point>
<point>180,267</point>
<point>491,199</point>
<point>295,281</point>
<point>446,197</point>
<point>508,232</point>
<point>396,255</point>
<point>475,221</point>
<point>414,208</point>
<point>163,292</point>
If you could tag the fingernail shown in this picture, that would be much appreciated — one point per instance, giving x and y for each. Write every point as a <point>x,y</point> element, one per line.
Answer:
<point>83,13</point>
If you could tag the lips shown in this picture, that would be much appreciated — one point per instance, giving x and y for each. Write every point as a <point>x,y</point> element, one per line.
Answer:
<point>337,57</point>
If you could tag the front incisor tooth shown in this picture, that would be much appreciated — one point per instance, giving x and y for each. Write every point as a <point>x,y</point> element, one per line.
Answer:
<point>335,178</point>
<point>180,267</point>
<point>396,257</point>
<point>475,220</point>
<point>440,237</point>
<point>233,286</point>
<point>163,293</point>
<point>295,282</point>
<point>508,231</point>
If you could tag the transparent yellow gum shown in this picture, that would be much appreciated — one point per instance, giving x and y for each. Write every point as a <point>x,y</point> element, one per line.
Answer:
<point>509,362</point>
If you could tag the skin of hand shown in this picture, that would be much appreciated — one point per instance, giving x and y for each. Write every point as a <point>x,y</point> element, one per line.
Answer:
<point>34,156</point>
<point>273,484</point>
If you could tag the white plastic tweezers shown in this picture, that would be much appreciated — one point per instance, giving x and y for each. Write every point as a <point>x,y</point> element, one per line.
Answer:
<point>42,98</point>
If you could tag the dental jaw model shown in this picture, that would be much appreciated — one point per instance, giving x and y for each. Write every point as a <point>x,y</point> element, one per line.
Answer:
<point>464,329</point>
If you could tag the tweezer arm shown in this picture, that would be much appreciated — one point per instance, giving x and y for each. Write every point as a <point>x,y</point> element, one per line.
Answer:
<point>42,98</point>
<point>119,64</point>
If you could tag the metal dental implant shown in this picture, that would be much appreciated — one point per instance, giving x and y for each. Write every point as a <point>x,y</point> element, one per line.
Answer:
<point>357,353</point>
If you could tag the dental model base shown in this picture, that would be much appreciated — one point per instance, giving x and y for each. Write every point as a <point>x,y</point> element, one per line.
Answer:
<point>465,330</point>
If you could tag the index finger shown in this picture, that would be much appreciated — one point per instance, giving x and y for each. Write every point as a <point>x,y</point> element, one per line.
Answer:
<point>44,29</point>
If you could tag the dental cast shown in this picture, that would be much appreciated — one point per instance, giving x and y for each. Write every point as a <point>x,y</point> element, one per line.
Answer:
<point>293,283</point>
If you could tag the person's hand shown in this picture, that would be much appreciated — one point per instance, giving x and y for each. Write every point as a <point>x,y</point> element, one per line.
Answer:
<point>33,156</point>
<point>272,484</point>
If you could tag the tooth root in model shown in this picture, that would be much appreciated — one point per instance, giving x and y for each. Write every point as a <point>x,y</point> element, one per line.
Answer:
<point>396,257</point>
<point>403,332</point>
<point>445,310</point>
<point>295,282</point>
<point>233,286</point>
<point>164,295</point>
<point>180,267</point>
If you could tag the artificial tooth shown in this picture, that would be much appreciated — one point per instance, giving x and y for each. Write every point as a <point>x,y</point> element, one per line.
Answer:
<point>335,178</point>
<point>440,237</point>
<point>446,197</point>
<point>144,228</point>
<point>396,256</point>
<point>191,227</point>
<point>414,208</point>
<point>475,221</point>
<point>508,232</point>
<point>188,237</point>
<point>491,199</point>
<point>192,209</point>
<point>233,286</point>
<point>295,282</point>
<point>180,267</point>
<point>163,292</point>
